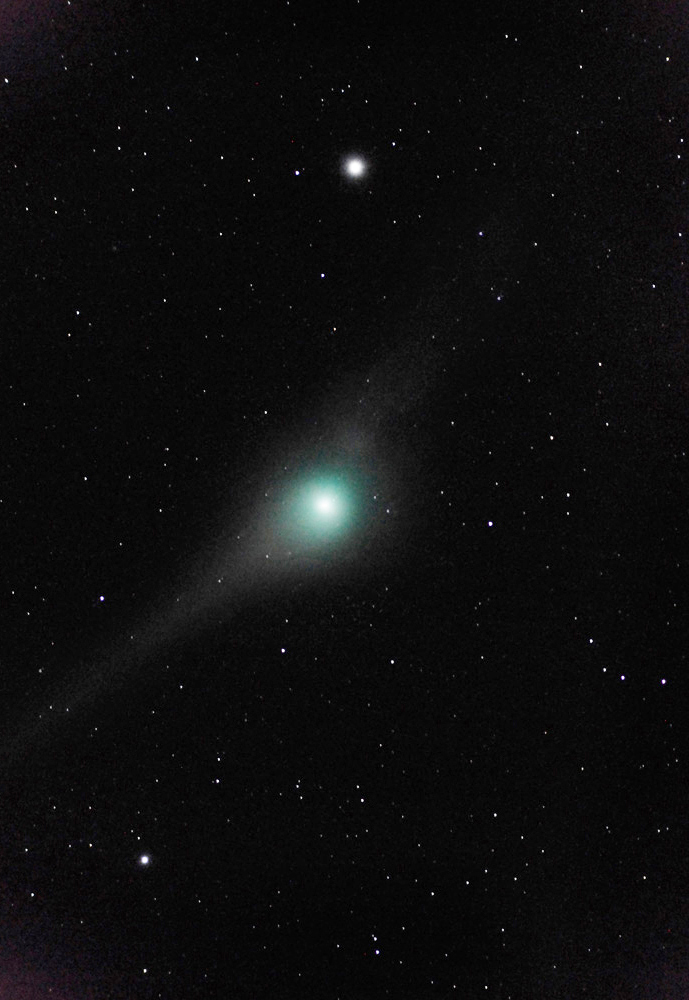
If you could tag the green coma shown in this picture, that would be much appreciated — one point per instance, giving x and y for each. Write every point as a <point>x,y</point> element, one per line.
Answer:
<point>320,510</point>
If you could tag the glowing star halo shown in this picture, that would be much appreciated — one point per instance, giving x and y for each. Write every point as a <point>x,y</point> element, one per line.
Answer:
<point>355,167</point>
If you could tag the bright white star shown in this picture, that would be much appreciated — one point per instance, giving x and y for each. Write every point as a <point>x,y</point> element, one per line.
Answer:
<point>355,166</point>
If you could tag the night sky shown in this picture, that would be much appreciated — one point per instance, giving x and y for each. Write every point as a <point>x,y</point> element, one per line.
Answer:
<point>343,501</point>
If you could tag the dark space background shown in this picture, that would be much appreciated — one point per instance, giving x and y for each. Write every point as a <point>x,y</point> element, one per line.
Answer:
<point>452,759</point>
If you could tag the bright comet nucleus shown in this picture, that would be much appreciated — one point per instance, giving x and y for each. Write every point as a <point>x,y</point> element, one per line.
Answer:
<point>325,504</point>
<point>319,511</point>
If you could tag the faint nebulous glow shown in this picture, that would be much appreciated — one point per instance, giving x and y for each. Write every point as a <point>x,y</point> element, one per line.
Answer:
<point>354,166</point>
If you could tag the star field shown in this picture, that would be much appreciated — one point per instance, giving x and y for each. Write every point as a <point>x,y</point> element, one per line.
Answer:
<point>344,487</point>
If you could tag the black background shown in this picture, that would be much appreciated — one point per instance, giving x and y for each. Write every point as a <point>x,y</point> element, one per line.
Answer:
<point>449,760</point>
